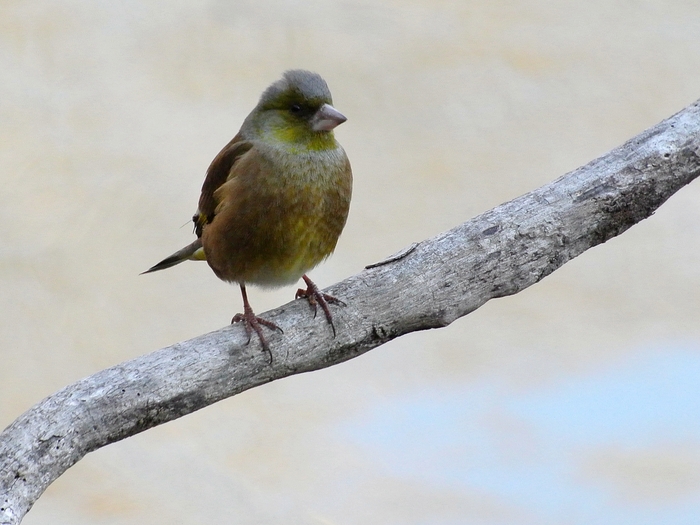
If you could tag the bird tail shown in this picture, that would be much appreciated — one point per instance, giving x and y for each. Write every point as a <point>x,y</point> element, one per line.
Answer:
<point>191,252</point>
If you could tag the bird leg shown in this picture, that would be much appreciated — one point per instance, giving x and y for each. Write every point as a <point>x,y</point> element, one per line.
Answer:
<point>317,297</point>
<point>253,322</point>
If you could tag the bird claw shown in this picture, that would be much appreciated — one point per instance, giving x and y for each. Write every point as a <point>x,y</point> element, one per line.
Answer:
<point>252,322</point>
<point>316,297</point>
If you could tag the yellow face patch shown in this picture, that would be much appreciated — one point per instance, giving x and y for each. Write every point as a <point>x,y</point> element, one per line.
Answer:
<point>298,138</point>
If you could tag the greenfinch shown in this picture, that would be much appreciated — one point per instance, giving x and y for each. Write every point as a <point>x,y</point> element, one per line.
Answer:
<point>275,199</point>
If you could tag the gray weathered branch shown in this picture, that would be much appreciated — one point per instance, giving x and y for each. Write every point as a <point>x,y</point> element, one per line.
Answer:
<point>498,253</point>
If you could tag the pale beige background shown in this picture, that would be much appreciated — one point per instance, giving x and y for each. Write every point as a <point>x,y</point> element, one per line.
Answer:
<point>110,113</point>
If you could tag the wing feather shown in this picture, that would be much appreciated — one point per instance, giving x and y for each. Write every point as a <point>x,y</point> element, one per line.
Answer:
<point>220,170</point>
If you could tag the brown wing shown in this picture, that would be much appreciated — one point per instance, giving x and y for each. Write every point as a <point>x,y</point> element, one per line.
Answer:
<point>218,173</point>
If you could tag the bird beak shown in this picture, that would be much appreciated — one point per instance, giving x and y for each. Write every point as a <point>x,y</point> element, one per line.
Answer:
<point>327,118</point>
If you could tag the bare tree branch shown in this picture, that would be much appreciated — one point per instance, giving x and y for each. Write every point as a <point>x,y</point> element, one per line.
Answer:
<point>498,253</point>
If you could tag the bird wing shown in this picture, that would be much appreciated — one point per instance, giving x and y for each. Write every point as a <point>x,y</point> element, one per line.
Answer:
<point>220,170</point>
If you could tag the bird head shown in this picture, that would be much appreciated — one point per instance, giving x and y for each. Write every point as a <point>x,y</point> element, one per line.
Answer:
<point>296,110</point>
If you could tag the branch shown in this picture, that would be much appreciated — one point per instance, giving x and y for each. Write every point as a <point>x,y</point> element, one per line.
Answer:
<point>498,253</point>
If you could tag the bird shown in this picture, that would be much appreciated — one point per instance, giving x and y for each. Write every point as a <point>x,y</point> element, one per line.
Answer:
<point>276,198</point>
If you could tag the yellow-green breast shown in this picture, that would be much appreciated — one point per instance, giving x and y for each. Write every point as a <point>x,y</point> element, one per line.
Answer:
<point>280,215</point>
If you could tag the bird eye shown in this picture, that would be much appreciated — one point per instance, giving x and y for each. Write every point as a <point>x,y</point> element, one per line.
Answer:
<point>296,108</point>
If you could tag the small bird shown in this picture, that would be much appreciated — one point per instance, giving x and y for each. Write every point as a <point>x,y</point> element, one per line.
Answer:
<point>275,199</point>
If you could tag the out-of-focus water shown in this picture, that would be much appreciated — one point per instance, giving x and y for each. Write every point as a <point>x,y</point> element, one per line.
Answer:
<point>572,402</point>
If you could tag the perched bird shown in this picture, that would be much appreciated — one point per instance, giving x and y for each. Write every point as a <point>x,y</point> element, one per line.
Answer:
<point>276,198</point>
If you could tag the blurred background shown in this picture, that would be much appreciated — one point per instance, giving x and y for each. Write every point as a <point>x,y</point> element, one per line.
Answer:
<point>574,402</point>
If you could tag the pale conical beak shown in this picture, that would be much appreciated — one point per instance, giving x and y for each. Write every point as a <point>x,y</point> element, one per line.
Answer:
<point>327,118</point>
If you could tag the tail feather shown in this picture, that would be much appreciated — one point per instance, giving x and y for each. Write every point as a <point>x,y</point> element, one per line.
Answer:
<point>193,252</point>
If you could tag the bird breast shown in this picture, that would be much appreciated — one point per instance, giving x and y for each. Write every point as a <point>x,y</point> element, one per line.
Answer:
<point>278,215</point>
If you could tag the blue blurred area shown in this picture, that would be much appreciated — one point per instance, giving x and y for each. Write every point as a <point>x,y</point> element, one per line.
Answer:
<point>617,446</point>
<point>654,396</point>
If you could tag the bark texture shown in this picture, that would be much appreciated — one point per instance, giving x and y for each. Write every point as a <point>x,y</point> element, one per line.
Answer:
<point>498,253</point>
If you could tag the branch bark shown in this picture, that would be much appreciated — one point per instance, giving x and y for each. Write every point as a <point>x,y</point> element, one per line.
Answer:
<point>498,253</point>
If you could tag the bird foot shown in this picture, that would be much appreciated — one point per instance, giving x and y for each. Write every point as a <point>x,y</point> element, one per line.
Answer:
<point>317,298</point>
<point>252,322</point>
